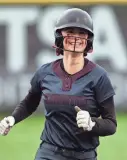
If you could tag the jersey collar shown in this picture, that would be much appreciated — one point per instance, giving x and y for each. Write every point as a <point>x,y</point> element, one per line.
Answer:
<point>61,73</point>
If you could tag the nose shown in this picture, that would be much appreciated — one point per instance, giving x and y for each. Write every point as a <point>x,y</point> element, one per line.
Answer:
<point>75,37</point>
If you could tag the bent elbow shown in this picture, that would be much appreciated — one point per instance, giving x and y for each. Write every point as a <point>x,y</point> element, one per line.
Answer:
<point>112,129</point>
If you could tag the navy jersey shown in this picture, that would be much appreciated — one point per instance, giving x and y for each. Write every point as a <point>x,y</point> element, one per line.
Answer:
<point>61,92</point>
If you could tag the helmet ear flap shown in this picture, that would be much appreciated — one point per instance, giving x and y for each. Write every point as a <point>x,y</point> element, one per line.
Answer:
<point>59,43</point>
<point>89,48</point>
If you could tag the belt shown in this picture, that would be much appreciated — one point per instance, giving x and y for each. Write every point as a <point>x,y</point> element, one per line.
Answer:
<point>70,153</point>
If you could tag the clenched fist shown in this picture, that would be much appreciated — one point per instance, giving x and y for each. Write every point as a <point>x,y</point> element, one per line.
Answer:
<point>84,120</point>
<point>6,124</point>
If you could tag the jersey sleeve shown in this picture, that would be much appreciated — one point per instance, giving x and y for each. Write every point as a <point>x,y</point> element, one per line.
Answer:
<point>103,88</point>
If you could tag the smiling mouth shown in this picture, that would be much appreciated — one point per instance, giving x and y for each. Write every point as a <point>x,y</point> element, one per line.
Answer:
<point>75,43</point>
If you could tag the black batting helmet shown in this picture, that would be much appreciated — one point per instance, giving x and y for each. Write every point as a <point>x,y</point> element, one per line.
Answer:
<point>74,17</point>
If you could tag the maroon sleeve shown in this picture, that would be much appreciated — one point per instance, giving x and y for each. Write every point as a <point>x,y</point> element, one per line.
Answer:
<point>27,106</point>
<point>107,124</point>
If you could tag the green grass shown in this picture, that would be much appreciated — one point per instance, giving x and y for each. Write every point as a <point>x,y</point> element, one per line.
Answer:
<point>23,141</point>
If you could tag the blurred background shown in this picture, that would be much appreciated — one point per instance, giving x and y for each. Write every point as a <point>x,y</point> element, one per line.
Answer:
<point>26,40</point>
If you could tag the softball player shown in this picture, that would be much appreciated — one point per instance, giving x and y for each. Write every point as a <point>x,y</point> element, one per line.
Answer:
<point>77,95</point>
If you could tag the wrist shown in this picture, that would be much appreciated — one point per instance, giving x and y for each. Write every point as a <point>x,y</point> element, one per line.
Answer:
<point>11,120</point>
<point>91,125</point>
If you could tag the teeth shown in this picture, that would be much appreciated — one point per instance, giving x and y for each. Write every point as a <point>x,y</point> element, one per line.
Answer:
<point>75,43</point>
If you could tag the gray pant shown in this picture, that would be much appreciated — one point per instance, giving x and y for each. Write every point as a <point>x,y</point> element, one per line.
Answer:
<point>50,152</point>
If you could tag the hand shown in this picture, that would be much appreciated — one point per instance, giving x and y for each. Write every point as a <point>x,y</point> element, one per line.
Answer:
<point>6,124</point>
<point>84,120</point>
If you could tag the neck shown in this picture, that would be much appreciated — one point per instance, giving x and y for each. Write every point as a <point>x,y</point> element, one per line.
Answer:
<point>73,62</point>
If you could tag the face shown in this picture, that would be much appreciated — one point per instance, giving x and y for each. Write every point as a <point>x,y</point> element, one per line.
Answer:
<point>75,39</point>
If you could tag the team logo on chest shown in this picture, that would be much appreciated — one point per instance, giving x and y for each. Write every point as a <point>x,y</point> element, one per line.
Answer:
<point>60,99</point>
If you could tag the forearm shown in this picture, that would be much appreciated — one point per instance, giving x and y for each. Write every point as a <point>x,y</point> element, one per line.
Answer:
<point>104,127</point>
<point>27,106</point>
<point>21,112</point>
